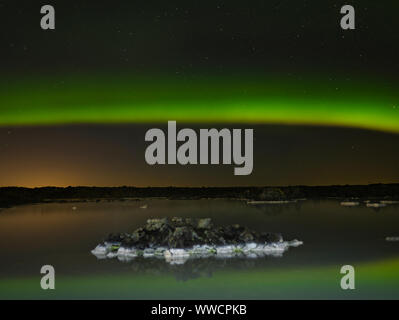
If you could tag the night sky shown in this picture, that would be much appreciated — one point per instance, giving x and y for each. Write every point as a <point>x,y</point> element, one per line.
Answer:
<point>70,113</point>
<point>200,36</point>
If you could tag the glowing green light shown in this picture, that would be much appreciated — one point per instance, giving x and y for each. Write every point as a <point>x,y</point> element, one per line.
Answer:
<point>249,100</point>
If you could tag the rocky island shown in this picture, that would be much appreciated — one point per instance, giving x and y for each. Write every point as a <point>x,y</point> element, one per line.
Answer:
<point>178,239</point>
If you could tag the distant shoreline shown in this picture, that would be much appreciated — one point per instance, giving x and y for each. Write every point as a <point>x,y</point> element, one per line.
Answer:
<point>12,196</point>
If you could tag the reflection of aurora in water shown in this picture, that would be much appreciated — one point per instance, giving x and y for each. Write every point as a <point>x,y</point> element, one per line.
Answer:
<point>206,99</point>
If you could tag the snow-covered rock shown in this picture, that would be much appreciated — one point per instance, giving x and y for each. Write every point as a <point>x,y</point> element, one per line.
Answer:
<point>375,205</point>
<point>350,203</point>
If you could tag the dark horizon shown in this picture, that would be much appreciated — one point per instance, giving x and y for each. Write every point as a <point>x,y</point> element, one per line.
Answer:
<point>201,187</point>
<point>12,196</point>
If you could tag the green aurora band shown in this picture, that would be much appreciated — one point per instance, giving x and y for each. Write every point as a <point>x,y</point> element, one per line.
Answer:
<point>122,99</point>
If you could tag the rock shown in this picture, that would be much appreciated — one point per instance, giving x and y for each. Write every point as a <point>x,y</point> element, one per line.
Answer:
<point>246,236</point>
<point>178,222</point>
<point>187,232</point>
<point>350,203</point>
<point>112,255</point>
<point>213,237</point>
<point>182,237</point>
<point>100,250</point>
<point>176,256</point>
<point>176,259</point>
<point>295,243</point>
<point>115,237</point>
<point>177,239</point>
<point>204,223</point>
<point>231,233</point>
<point>250,246</point>
<point>148,252</point>
<point>176,253</point>
<point>137,238</point>
<point>127,252</point>
<point>270,237</point>
<point>225,249</point>
<point>160,251</point>
<point>156,224</point>
<point>190,222</point>
<point>375,205</point>
<point>392,239</point>
<point>203,250</point>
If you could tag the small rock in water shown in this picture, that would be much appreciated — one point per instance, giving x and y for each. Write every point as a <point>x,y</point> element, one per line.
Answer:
<point>349,203</point>
<point>100,250</point>
<point>178,239</point>
<point>295,243</point>
<point>392,239</point>
<point>389,202</point>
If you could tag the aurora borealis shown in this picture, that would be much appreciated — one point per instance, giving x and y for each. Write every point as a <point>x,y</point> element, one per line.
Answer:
<point>209,99</point>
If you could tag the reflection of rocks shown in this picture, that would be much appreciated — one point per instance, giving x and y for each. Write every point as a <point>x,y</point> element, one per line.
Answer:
<point>179,239</point>
<point>195,268</point>
<point>375,205</point>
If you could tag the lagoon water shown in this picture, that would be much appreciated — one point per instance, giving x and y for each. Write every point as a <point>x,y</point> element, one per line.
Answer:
<point>62,235</point>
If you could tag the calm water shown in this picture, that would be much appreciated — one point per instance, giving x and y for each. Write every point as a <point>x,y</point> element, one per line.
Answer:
<point>55,234</point>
